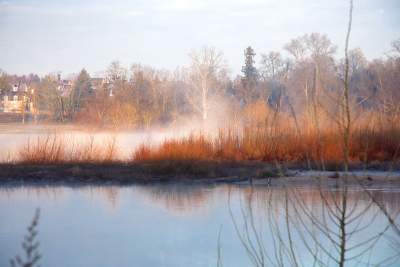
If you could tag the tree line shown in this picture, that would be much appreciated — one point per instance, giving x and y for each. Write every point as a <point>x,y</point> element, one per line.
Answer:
<point>304,82</point>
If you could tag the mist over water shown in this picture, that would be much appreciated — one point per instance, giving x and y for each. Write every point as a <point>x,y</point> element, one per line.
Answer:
<point>290,160</point>
<point>13,137</point>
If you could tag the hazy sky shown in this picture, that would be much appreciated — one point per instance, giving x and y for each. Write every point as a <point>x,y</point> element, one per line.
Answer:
<point>43,36</point>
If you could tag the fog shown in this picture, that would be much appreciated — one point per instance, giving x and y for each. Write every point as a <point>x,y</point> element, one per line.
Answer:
<point>14,137</point>
<point>302,102</point>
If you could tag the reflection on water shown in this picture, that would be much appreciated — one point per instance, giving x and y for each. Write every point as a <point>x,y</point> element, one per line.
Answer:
<point>318,227</point>
<point>178,225</point>
<point>178,199</point>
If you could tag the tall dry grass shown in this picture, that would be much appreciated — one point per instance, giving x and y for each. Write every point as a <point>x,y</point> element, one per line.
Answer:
<point>275,139</point>
<point>283,145</point>
<point>56,150</point>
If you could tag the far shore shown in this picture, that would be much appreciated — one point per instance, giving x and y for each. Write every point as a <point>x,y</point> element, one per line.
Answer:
<point>231,172</point>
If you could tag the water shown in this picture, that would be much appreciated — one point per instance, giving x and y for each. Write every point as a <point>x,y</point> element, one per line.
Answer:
<point>179,225</point>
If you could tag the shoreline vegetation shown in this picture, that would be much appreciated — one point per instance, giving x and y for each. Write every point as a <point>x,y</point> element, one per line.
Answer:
<point>226,156</point>
<point>51,161</point>
<point>307,111</point>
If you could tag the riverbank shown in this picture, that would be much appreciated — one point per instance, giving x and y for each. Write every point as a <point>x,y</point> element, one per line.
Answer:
<point>120,172</point>
<point>180,171</point>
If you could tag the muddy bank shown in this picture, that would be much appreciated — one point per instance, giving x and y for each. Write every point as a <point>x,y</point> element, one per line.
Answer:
<point>125,173</point>
<point>182,171</point>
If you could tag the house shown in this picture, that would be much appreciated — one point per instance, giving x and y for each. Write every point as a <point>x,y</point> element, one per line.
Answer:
<point>97,83</point>
<point>64,86</point>
<point>104,84</point>
<point>17,100</point>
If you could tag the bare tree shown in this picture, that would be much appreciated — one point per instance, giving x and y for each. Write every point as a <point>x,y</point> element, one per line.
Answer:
<point>321,226</point>
<point>357,60</point>
<point>206,68</point>
<point>346,123</point>
<point>272,65</point>
<point>116,72</point>
<point>297,48</point>
<point>396,46</point>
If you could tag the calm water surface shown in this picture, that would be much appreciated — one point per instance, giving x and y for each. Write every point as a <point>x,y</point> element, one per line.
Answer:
<point>179,225</point>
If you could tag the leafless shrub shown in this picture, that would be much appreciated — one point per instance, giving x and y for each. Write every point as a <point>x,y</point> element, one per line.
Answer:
<point>56,150</point>
<point>30,246</point>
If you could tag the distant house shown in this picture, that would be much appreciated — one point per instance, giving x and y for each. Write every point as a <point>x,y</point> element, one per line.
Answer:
<point>18,100</point>
<point>102,83</point>
<point>64,86</point>
<point>97,83</point>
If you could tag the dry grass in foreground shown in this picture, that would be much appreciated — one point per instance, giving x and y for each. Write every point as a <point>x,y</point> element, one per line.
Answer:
<point>309,149</point>
<point>321,150</point>
<point>55,150</point>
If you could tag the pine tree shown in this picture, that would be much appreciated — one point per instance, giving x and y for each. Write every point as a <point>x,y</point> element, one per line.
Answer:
<point>250,75</point>
<point>249,71</point>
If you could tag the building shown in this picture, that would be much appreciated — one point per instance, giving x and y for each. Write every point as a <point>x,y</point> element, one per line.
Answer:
<point>97,83</point>
<point>64,86</point>
<point>102,84</point>
<point>16,100</point>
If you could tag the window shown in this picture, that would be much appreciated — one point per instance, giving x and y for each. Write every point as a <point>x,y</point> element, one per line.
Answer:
<point>15,98</point>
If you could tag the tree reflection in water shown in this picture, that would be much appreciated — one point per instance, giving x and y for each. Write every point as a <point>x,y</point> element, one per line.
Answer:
<point>341,226</point>
<point>178,199</point>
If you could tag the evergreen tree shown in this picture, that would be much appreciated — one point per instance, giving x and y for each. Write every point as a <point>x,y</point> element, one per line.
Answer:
<point>249,71</point>
<point>250,76</point>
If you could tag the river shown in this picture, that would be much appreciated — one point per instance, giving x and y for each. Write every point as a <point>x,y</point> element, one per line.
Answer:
<point>202,225</point>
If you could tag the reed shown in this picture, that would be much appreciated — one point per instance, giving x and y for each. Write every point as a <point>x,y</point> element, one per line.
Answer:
<point>283,145</point>
<point>56,150</point>
<point>369,143</point>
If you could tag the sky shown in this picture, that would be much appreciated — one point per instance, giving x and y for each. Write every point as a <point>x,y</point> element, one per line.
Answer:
<point>45,36</point>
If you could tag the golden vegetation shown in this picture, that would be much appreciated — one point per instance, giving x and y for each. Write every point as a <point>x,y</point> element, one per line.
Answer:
<point>281,143</point>
<point>56,150</point>
<point>267,137</point>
